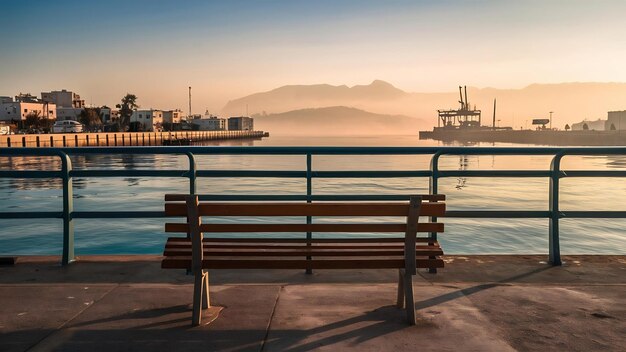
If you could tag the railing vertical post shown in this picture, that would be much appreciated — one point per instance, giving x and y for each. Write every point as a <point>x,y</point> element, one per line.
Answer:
<point>68,209</point>
<point>309,191</point>
<point>553,239</point>
<point>433,188</point>
<point>192,173</point>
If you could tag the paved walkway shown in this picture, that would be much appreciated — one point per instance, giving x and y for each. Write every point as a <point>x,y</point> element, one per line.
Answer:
<point>477,303</point>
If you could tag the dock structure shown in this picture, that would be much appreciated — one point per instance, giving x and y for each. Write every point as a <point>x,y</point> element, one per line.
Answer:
<point>120,139</point>
<point>478,303</point>
<point>463,117</point>
<point>541,137</point>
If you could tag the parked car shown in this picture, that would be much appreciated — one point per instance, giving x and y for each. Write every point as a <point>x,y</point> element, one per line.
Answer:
<point>67,126</point>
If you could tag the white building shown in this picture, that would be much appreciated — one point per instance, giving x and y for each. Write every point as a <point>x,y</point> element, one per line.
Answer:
<point>108,115</point>
<point>65,113</point>
<point>616,121</point>
<point>69,104</point>
<point>16,111</point>
<point>585,125</point>
<point>210,124</point>
<point>172,116</point>
<point>63,98</point>
<point>147,120</point>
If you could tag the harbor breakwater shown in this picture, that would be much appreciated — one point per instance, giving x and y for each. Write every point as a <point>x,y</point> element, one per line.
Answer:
<point>114,139</point>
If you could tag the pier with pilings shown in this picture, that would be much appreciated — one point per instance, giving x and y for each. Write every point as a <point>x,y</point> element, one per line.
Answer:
<point>121,139</point>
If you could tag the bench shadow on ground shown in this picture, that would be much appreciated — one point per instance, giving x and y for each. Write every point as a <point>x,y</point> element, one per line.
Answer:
<point>158,328</point>
<point>477,288</point>
<point>178,332</point>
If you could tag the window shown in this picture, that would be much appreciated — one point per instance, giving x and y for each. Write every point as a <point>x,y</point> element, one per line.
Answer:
<point>25,110</point>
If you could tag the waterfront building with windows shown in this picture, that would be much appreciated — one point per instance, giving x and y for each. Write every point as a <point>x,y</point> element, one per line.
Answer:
<point>68,113</point>
<point>148,120</point>
<point>616,121</point>
<point>15,111</point>
<point>63,98</point>
<point>172,116</point>
<point>240,123</point>
<point>212,123</point>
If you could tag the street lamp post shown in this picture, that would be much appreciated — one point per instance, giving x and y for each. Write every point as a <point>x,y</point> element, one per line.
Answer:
<point>551,119</point>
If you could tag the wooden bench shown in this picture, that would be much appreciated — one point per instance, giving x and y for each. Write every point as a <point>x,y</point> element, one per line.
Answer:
<point>197,252</point>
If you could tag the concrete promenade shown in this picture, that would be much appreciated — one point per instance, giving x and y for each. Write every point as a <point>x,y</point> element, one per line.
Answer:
<point>118,139</point>
<point>477,303</point>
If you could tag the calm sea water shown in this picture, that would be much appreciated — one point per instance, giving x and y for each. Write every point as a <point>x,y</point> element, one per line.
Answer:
<point>462,236</point>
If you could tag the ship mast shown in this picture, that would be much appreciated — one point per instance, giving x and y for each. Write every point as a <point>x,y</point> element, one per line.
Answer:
<point>493,126</point>
<point>189,102</point>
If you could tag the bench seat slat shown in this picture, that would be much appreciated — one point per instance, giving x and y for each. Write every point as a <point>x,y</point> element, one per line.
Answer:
<point>185,263</point>
<point>219,228</point>
<point>304,209</point>
<point>182,197</point>
<point>185,245</point>
<point>300,252</point>
<point>302,240</point>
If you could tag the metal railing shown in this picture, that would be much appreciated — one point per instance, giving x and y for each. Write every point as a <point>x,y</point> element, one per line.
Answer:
<point>553,214</point>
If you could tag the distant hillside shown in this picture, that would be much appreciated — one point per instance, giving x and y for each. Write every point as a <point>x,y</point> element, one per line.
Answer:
<point>293,97</point>
<point>336,120</point>
<point>570,102</point>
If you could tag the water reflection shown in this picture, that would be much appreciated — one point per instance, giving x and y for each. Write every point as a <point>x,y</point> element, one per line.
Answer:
<point>463,163</point>
<point>230,142</point>
<point>615,162</point>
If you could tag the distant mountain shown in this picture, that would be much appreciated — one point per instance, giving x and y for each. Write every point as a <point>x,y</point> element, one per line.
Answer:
<point>570,102</point>
<point>293,97</point>
<point>336,120</point>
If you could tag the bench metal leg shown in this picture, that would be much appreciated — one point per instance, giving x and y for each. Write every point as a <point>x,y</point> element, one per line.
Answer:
<point>206,302</point>
<point>196,314</point>
<point>400,301</point>
<point>408,298</point>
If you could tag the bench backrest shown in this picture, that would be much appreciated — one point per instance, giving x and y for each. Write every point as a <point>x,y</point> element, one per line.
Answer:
<point>192,209</point>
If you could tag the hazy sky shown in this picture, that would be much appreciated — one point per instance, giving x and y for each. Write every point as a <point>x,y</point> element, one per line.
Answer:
<point>227,49</point>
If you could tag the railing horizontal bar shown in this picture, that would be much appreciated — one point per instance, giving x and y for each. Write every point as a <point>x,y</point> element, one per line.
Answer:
<point>31,215</point>
<point>117,214</point>
<point>593,173</point>
<point>450,213</point>
<point>30,174</point>
<point>495,173</point>
<point>129,173</point>
<point>500,214</point>
<point>302,174</point>
<point>534,214</point>
<point>250,173</point>
<point>598,214</point>
<point>370,174</point>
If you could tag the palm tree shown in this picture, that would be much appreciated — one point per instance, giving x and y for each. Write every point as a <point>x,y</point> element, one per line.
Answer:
<point>128,105</point>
